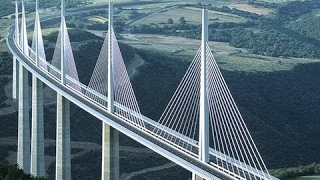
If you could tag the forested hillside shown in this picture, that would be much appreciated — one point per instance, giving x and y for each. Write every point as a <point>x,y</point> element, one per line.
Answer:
<point>281,108</point>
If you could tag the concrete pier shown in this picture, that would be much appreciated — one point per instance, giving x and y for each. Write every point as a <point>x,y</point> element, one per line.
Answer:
<point>37,131</point>
<point>15,63</point>
<point>196,177</point>
<point>23,153</point>
<point>110,153</point>
<point>15,79</point>
<point>63,157</point>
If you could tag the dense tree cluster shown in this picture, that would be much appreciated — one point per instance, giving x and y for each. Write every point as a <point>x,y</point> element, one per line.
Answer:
<point>5,69</point>
<point>226,9</point>
<point>75,35</point>
<point>81,21</point>
<point>5,63</point>
<point>307,25</point>
<point>263,4</point>
<point>160,76</point>
<point>292,172</point>
<point>12,172</point>
<point>294,9</point>
<point>3,81</point>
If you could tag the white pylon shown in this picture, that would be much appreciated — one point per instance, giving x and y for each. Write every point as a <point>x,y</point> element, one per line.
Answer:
<point>63,154</point>
<point>23,33</point>
<point>110,61</point>
<point>23,152</point>
<point>110,136</point>
<point>204,109</point>
<point>62,45</point>
<point>203,153</point>
<point>37,132</point>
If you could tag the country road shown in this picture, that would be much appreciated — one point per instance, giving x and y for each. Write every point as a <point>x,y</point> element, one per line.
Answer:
<point>132,68</point>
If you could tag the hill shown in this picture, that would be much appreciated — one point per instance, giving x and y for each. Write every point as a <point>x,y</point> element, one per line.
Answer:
<point>277,94</point>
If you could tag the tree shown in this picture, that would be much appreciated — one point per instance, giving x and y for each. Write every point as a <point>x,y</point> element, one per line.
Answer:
<point>317,169</point>
<point>12,172</point>
<point>170,21</point>
<point>182,20</point>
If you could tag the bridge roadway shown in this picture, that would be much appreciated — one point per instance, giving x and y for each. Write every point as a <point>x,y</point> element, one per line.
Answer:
<point>178,156</point>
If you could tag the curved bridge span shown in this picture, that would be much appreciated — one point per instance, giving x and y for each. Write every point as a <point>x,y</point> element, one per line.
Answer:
<point>188,153</point>
<point>177,156</point>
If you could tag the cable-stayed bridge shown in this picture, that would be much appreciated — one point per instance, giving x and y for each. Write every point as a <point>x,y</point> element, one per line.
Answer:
<point>201,129</point>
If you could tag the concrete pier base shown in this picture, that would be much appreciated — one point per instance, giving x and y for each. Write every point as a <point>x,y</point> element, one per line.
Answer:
<point>110,153</point>
<point>23,153</point>
<point>63,158</point>
<point>37,132</point>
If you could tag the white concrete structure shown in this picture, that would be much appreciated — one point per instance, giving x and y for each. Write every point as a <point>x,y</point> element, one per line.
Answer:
<point>15,63</point>
<point>110,136</point>
<point>23,154</point>
<point>63,157</point>
<point>167,142</point>
<point>37,131</point>
<point>204,109</point>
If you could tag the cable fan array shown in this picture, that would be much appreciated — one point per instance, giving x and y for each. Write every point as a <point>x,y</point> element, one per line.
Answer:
<point>231,145</point>
<point>72,78</point>
<point>37,33</point>
<point>230,134</point>
<point>181,115</point>
<point>126,104</point>
<point>98,84</point>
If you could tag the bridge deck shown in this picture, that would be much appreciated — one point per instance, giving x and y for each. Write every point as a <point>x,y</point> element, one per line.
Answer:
<point>177,154</point>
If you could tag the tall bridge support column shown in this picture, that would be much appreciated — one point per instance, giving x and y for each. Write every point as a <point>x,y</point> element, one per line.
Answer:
<point>15,79</point>
<point>37,132</point>
<point>15,63</point>
<point>23,153</point>
<point>110,153</point>
<point>63,157</point>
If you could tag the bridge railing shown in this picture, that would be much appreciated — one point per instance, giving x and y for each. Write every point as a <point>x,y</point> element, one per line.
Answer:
<point>218,156</point>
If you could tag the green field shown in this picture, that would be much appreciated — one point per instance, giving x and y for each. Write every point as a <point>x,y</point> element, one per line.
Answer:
<point>255,63</point>
<point>228,57</point>
<point>191,15</point>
